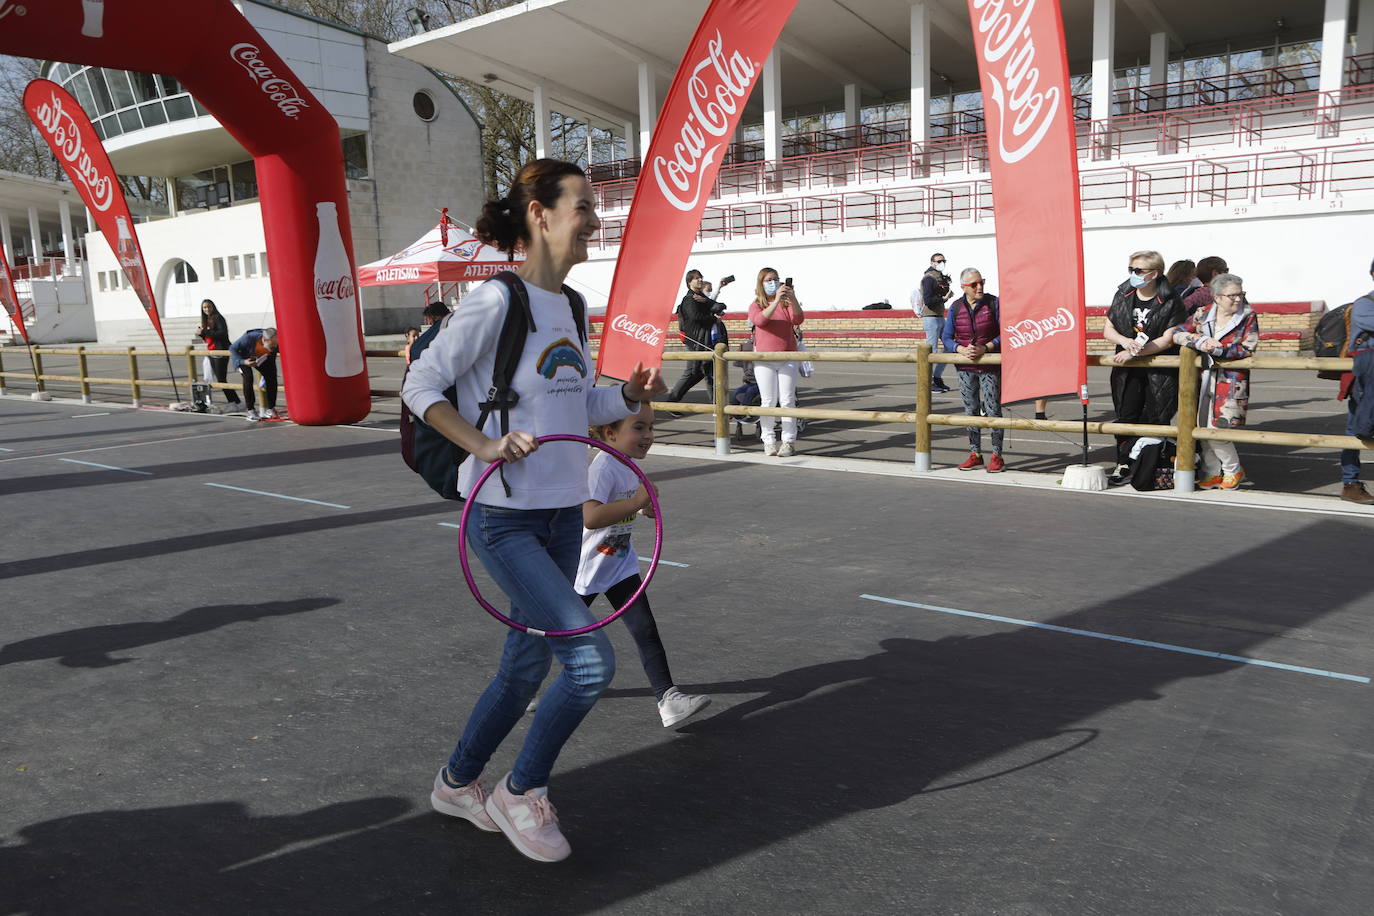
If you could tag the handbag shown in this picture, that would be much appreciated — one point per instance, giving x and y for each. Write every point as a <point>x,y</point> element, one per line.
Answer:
<point>805,368</point>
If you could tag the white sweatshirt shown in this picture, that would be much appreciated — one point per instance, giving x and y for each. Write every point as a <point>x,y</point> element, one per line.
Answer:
<point>553,380</point>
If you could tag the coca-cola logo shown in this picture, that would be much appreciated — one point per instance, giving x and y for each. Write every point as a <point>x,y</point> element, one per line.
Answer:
<point>7,7</point>
<point>286,96</point>
<point>64,136</point>
<point>716,90</point>
<point>339,288</point>
<point>642,331</point>
<point>1025,112</point>
<point>1031,330</point>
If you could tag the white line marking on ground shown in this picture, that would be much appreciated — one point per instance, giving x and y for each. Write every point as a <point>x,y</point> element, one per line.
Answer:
<point>104,448</point>
<point>108,467</point>
<point>299,499</point>
<point>1145,643</point>
<point>78,416</point>
<point>663,562</point>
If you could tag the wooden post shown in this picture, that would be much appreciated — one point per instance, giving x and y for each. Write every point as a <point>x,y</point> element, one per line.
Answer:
<point>923,406</point>
<point>190,369</point>
<point>2,374</point>
<point>1185,473</point>
<point>38,370</point>
<point>81,371</point>
<point>720,384</point>
<point>133,378</point>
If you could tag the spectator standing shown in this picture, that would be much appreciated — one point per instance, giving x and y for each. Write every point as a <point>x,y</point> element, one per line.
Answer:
<point>972,329</point>
<point>1201,295</point>
<point>1361,322</point>
<point>697,315</point>
<point>214,331</point>
<point>928,301</point>
<point>1182,276</point>
<point>747,394</point>
<point>433,314</point>
<point>257,349</point>
<point>776,314</point>
<point>1141,322</point>
<point>1228,329</point>
<point>412,335</point>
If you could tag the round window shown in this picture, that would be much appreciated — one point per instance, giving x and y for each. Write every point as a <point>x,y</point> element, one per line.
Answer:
<point>423,104</point>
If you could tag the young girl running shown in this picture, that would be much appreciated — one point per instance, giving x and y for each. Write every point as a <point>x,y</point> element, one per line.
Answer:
<point>609,563</point>
<point>527,538</point>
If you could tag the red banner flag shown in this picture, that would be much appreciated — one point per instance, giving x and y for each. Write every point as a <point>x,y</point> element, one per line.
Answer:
<point>10,298</point>
<point>1024,71</point>
<point>699,116</point>
<point>73,140</point>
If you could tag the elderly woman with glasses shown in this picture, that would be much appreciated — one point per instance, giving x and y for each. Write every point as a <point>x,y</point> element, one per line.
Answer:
<point>1141,322</point>
<point>1228,329</point>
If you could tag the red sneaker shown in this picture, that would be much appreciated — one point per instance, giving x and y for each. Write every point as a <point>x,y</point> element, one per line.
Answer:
<point>974,460</point>
<point>996,464</point>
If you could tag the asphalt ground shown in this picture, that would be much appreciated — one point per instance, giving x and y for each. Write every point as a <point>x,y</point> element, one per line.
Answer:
<point>930,696</point>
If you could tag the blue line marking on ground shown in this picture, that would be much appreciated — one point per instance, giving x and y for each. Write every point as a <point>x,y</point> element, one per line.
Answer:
<point>299,499</point>
<point>665,562</point>
<point>1126,639</point>
<point>108,467</point>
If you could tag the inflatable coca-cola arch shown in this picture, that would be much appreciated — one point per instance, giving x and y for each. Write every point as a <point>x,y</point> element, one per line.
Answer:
<point>212,50</point>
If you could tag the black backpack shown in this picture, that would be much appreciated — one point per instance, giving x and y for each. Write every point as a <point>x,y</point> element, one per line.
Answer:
<point>1330,338</point>
<point>433,455</point>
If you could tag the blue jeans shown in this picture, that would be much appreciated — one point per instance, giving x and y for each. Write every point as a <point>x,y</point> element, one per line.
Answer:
<point>934,327</point>
<point>532,555</point>
<point>1350,457</point>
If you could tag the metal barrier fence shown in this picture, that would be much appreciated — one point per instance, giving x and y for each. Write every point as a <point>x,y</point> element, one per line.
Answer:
<point>1185,429</point>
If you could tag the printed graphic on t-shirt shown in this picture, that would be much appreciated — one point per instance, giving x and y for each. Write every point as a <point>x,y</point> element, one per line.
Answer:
<point>562,352</point>
<point>615,545</point>
<point>1140,316</point>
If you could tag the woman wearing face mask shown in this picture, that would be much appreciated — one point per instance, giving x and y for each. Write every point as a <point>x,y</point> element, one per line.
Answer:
<point>775,315</point>
<point>1144,312</point>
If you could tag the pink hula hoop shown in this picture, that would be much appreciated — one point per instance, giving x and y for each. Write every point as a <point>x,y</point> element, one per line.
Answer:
<point>648,574</point>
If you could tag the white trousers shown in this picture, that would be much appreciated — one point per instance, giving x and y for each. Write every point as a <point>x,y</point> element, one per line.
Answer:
<point>777,388</point>
<point>1219,458</point>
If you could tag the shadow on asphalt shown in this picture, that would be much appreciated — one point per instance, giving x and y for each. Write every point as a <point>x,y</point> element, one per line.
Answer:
<point>817,744</point>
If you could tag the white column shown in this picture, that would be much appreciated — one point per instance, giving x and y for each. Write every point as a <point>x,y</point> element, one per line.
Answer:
<point>920,74</point>
<point>35,236</point>
<point>1335,28</point>
<point>90,222</point>
<point>64,209</point>
<point>7,238</point>
<point>171,197</point>
<point>542,141</point>
<point>772,108</point>
<point>1159,67</point>
<point>629,139</point>
<point>1364,28</point>
<point>1104,59</point>
<point>851,105</point>
<point>591,145</point>
<point>648,108</point>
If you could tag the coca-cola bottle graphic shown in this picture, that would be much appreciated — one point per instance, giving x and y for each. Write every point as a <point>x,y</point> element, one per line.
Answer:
<point>336,299</point>
<point>127,253</point>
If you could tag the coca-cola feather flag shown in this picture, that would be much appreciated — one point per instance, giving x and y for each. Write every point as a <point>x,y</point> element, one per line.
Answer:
<point>723,63</point>
<point>10,297</point>
<point>1024,72</point>
<point>68,132</point>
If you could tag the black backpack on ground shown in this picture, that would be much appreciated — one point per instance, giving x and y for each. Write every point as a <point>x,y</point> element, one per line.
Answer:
<point>433,455</point>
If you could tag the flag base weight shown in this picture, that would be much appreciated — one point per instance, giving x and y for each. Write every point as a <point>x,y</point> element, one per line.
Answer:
<point>1085,477</point>
<point>40,396</point>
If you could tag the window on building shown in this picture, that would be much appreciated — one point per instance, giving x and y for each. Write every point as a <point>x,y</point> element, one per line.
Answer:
<point>262,259</point>
<point>234,270</point>
<point>217,269</point>
<point>100,275</point>
<point>205,189</point>
<point>250,265</point>
<point>184,273</point>
<point>243,181</point>
<point>123,279</point>
<point>355,156</point>
<point>423,103</point>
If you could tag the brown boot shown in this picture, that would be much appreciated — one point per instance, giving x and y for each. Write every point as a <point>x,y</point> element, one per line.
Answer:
<point>1356,493</point>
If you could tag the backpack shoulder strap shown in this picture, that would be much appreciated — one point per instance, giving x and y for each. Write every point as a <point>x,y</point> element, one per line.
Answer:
<point>579,311</point>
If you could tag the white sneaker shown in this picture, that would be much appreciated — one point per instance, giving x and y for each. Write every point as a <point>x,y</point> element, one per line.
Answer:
<point>529,821</point>
<point>787,450</point>
<point>770,449</point>
<point>534,704</point>
<point>251,415</point>
<point>268,413</point>
<point>676,706</point>
<point>468,802</point>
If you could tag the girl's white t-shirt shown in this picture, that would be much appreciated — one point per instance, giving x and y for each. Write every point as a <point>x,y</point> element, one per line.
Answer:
<point>608,554</point>
<point>553,380</point>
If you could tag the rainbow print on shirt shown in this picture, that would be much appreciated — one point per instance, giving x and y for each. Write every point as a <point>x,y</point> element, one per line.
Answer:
<point>561,352</point>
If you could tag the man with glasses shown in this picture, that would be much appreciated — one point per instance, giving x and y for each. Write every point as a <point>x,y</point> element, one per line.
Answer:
<point>1140,322</point>
<point>974,328</point>
<point>1361,322</point>
<point>928,301</point>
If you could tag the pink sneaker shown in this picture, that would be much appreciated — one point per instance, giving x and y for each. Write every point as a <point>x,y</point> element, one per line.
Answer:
<point>468,802</point>
<point>529,821</point>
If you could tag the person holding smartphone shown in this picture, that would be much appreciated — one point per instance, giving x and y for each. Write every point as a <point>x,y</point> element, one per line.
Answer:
<point>697,315</point>
<point>776,314</point>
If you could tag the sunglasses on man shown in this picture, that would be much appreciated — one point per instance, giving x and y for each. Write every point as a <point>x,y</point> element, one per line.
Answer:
<point>976,283</point>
